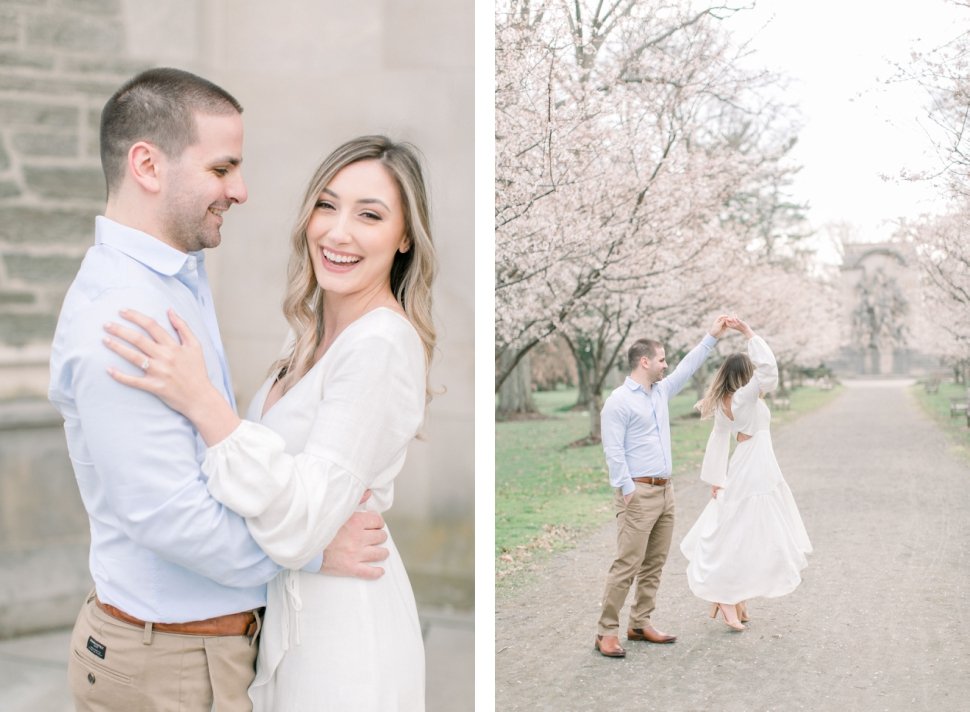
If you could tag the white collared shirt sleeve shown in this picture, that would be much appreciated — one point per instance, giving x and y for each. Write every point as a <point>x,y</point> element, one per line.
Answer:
<point>613,432</point>
<point>676,381</point>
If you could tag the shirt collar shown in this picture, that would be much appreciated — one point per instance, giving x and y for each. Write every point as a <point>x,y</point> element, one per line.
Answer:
<point>142,247</point>
<point>633,385</point>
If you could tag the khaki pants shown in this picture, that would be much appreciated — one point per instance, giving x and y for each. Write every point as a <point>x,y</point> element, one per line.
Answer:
<point>146,671</point>
<point>645,527</point>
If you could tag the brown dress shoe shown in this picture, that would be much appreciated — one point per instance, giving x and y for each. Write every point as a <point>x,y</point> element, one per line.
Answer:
<point>649,634</point>
<point>609,646</point>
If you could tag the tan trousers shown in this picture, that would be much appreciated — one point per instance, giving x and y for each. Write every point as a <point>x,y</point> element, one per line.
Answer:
<point>644,528</point>
<point>146,671</point>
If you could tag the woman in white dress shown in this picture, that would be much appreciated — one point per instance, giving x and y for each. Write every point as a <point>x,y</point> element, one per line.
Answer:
<point>332,422</point>
<point>749,540</point>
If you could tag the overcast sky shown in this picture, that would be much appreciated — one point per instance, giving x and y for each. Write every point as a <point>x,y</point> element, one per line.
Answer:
<point>857,128</point>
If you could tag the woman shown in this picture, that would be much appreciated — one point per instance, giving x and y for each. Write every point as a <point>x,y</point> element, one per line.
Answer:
<point>749,541</point>
<point>332,422</point>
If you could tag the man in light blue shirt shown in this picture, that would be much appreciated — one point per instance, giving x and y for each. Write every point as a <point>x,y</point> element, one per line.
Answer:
<point>179,582</point>
<point>636,441</point>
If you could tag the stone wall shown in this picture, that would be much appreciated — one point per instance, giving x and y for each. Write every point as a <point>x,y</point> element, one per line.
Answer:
<point>58,64</point>
<point>310,74</point>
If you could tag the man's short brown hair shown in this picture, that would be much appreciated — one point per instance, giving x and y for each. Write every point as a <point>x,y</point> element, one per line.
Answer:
<point>641,348</point>
<point>157,106</point>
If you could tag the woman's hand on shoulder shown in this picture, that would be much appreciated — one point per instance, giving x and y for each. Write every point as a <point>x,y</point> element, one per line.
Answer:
<point>174,369</point>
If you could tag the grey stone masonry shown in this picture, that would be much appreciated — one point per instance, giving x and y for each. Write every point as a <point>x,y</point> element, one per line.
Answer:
<point>59,62</point>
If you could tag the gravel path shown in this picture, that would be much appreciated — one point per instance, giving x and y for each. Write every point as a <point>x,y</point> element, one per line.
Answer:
<point>880,622</point>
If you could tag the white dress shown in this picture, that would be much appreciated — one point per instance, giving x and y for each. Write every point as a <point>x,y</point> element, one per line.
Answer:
<point>297,473</point>
<point>750,541</point>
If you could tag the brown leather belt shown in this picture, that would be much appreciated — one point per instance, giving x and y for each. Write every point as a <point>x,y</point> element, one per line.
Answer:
<point>245,623</point>
<point>658,481</point>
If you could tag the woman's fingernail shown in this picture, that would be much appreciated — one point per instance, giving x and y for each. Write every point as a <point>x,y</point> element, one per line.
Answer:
<point>107,341</point>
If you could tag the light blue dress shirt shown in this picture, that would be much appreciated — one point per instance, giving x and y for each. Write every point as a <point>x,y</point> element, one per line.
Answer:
<point>162,549</point>
<point>635,422</point>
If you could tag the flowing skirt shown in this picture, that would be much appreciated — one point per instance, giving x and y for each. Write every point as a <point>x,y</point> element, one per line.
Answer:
<point>750,541</point>
<point>332,644</point>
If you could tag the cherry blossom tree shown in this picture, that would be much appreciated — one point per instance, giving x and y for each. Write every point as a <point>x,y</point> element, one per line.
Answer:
<point>941,242</point>
<point>624,132</point>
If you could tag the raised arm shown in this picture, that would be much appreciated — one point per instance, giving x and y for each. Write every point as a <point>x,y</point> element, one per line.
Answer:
<point>765,377</point>
<point>676,381</point>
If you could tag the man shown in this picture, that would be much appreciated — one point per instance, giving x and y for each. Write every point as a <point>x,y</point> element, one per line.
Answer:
<point>636,441</point>
<point>179,583</point>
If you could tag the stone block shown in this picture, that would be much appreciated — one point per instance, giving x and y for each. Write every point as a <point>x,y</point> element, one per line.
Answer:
<point>91,7</point>
<point>9,26</point>
<point>32,600</point>
<point>4,158</point>
<point>122,67</point>
<point>21,224</point>
<point>75,33</point>
<point>65,182</point>
<point>58,145</point>
<point>23,329</point>
<point>27,113</point>
<point>9,189</point>
<point>436,38</point>
<point>52,269</point>
<point>26,60</point>
<point>93,88</point>
<point>8,297</point>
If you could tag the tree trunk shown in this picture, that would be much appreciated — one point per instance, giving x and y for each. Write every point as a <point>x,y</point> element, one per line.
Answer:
<point>699,381</point>
<point>782,389</point>
<point>584,395</point>
<point>595,406</point>
<point>515,393</point>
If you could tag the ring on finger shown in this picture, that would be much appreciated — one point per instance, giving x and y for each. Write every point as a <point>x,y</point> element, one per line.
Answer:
<point>145,364</point>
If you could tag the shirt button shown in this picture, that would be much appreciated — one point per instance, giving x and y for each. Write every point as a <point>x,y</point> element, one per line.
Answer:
<point>91,678</point>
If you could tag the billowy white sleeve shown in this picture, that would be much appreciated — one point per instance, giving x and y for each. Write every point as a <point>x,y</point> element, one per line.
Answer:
<point>765,376</point>
<point>371,409</point>
<point>714,467</point>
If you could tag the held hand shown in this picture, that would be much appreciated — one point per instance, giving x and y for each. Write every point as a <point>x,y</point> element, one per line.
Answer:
<point>741,326</point>
<point>720,326</point>
<point>714,490</point>
<point>174,370</point>
<point>627,498</point>
<point>356,547</point>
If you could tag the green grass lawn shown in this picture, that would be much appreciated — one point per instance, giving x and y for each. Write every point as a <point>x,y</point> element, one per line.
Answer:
<point>547,494</point>
<point>938,406</point>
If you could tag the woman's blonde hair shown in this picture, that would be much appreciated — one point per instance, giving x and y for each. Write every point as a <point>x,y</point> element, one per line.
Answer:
<point>412,272</point>
<point>734,373</point>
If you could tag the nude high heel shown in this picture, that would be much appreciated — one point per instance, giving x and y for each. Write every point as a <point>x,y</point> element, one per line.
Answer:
<point>742,609</point>
<point>724,608</point>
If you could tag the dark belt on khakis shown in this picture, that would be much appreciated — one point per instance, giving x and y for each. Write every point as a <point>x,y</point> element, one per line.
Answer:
<point>245,623</point>
<point>658,481</point>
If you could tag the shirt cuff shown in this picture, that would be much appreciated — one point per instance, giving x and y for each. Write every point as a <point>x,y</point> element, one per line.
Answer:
<point>709,340</point>
<point>314,565</point>
<point>627,487</point>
